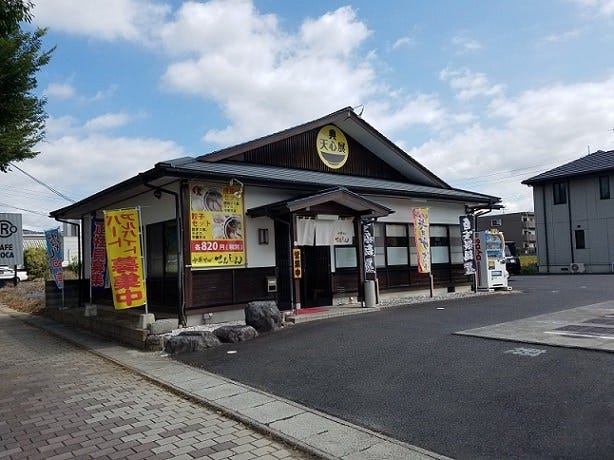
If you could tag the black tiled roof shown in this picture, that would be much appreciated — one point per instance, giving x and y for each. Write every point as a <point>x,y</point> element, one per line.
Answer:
<point>597,162</point>
<point>317,180</point>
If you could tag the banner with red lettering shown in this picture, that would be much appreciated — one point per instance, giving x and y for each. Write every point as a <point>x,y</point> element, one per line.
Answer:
<point>55,252</point>
<point>124,258</point>
<point>98,263</point>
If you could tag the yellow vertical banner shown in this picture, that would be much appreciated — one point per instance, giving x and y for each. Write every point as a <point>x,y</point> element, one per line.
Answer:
<point>124,256</point>
<point>216,225</point>
<point>423,240</point>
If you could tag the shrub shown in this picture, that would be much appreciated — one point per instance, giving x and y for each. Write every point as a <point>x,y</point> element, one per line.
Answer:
<point>74,266</point>
<point>36,263</point>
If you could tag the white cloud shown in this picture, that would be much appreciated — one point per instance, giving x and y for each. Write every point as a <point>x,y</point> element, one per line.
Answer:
<point>563,36</point>
<point>470,84</point>
<point>601,7</point>
<point>395,117</point>
<point>465,44</point>
<point>133,20</point>
<point>403,42</point>
<point>261,77</point>
<point>107,121</point>
<point>102,161</point>
<point>539,129</point>
<point>60,90</point>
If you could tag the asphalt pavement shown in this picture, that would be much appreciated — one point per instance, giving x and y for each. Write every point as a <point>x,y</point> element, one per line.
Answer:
<point>405,372</point>
<point>59,401</point>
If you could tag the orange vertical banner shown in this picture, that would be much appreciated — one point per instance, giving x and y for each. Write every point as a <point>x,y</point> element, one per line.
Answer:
<point>124,258</point>
<point>423,240</point>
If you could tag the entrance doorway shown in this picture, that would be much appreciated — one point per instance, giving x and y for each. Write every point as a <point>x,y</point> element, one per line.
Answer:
<point>315,285</point>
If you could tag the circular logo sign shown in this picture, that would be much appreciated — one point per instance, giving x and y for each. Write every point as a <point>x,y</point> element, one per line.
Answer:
<point>332,146</point>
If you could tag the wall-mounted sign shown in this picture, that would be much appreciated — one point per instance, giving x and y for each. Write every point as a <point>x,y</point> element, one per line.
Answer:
<point>11,239</point>
<point>423,240</point>
<point>123,241</point>
<point>297,271</point>
<point>216,225</point>
<point>332,146</point>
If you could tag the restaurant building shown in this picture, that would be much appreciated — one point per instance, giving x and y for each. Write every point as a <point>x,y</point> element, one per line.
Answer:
<point>306,217</point>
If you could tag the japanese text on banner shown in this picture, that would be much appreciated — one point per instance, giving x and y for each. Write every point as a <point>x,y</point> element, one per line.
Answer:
<point>98,267</point>
<point>216,225</point>
<point>56,255</point>
<point>423,241</point>
<point>466,228</point>
<point>125,263</point>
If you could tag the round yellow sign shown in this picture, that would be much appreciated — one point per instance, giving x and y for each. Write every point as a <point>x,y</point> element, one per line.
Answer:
<point>332,146</point>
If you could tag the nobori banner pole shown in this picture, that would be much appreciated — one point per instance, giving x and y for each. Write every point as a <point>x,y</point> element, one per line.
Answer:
<point>138,210</point>
<point>432,283</point>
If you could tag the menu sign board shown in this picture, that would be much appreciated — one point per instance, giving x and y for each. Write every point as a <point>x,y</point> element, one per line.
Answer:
<point>216,225</point>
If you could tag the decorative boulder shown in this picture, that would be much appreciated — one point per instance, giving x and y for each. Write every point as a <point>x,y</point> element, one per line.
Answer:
<point>188,341</point>
<point>264,316</point>
<point>234,334</point>
<point>153,343</point>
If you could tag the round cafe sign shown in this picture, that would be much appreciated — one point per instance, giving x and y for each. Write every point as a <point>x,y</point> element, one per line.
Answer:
<point>332,146</point>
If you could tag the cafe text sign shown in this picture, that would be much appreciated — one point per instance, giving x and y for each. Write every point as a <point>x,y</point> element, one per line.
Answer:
<point>11,239</point>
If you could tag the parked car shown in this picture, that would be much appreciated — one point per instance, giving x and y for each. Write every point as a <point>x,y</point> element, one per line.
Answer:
<point>8,274</point>
<point>512,262</point>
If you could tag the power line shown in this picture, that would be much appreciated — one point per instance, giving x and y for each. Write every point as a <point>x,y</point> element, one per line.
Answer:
<point>48,187</point>
<point>39,213</point>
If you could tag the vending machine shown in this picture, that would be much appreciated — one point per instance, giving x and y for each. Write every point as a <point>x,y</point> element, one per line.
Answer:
<point>490,260</point>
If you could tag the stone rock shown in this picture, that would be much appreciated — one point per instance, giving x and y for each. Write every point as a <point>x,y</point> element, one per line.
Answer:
<point>154,343</point>
<point>163,326</point>
<point>264,316</point>
<point>234,334</point>
<point>188,341</point>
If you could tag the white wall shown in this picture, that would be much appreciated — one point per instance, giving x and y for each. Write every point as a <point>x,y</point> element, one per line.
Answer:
<point>261,255</point>
<point>440,212</point>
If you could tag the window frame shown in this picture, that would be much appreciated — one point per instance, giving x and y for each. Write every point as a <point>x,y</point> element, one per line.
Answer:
<point>559,193</point>
<point>604,187</point>
<point>580,239</point>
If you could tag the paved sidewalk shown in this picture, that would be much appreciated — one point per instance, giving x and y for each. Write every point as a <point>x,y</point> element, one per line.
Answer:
<point>590,327</point>
<point>58,401</point>
<point>309,431</point>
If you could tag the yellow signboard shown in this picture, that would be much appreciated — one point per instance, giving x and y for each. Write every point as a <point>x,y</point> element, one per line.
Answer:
<point>297,270</point>
<point>124,256</point>
<point>216,225</point>
<point>332,146</point>
<point>423,241</point>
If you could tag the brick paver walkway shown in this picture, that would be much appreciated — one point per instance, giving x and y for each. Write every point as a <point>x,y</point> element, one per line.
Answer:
<point>58,401</point>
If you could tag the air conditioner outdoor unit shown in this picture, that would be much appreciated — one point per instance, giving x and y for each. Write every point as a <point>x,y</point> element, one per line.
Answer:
<point>576,267</point>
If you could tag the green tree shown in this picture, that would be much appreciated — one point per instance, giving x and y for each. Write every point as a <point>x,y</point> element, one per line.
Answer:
<point>36,263</point>
<point>22,114</point>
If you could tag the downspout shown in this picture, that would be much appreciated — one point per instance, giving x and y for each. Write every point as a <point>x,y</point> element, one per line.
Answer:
<point>78,256</point>
<point>545,229</point>
<point>180,301</point>
<point>570,224</point>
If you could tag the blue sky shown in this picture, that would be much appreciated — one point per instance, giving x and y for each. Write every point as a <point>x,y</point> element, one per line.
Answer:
<point>483,93</point>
